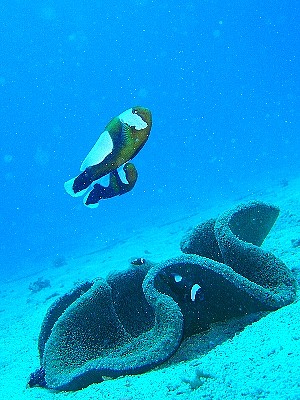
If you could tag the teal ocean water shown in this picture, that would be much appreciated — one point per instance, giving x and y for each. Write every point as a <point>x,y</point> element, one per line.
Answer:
<point>219,78</point>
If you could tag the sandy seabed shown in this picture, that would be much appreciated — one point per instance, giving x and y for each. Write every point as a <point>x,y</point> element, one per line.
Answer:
<point>257,357</point>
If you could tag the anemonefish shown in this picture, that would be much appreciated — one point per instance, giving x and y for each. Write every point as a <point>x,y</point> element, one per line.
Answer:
<point>122,139</point>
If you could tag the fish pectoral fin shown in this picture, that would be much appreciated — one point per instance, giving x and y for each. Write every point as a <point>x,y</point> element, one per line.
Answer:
<point>126,130</point>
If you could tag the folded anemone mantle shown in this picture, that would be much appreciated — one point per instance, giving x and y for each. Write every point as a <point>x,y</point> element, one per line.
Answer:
<point>136,319</point>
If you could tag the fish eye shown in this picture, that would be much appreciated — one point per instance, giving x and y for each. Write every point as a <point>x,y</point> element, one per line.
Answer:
<point>134,111</point>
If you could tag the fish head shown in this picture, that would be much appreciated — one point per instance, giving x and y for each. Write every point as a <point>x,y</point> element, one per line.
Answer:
<point>138,120</point>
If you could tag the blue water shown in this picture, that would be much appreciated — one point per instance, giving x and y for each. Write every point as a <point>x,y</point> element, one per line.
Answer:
<point>221,79</point>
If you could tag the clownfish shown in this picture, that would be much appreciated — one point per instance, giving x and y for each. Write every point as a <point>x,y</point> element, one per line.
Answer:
<point>123,137</point>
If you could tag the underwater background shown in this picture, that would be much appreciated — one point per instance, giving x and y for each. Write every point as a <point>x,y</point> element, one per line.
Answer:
<point>221,80</point>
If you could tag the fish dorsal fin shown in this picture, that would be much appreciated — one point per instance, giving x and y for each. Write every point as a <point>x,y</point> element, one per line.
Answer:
<point>100,150</point>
